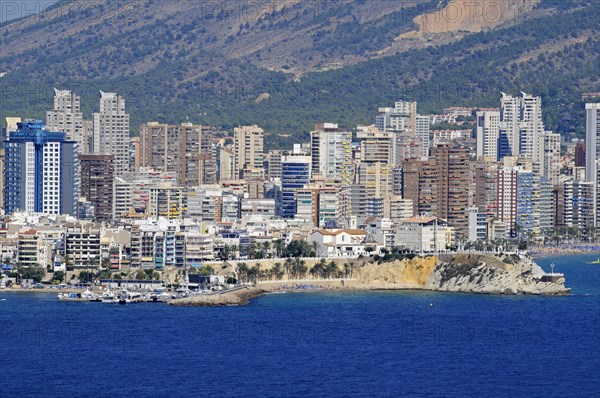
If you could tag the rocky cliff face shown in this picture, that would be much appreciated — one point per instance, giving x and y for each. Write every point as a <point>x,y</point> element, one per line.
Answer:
<point>463,273</point>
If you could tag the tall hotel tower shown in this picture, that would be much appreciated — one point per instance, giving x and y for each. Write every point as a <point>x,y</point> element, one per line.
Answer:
<point>41,171</point>
<point>111,130</point>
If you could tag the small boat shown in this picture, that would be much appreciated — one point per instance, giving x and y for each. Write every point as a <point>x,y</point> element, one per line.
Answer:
<point>595,262</point>
<point>107,297</point>
<point>85,296</point>
<point>126,297</point>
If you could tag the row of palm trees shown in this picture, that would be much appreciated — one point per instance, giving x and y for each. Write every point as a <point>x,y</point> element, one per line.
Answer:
<point>294,268</point>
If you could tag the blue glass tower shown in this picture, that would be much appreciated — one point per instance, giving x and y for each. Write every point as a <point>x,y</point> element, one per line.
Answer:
<point>295,174</point>
<point>41,171</point>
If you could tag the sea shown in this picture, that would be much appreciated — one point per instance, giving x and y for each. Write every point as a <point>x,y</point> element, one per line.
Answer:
<point>314,344</point>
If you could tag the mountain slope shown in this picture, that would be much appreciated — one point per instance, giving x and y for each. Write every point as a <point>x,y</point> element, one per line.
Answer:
<point>290,63</point>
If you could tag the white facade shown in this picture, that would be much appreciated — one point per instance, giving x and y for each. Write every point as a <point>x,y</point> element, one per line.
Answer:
<point>66,116</point>
<point>422,234</point>
<point>341,242</point>
<point>488,130</point>
<point>531,128</point>
<point>29,177</point>
<point>248,149</point>
<point>111,130</point>
<point>422,131</point>
<point>509,127</point>
<point>550,157</point>
<point>331,150</point>
<point>52,175</point>
<point>592,148</point>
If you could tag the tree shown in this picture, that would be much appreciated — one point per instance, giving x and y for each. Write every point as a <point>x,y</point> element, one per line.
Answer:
<point>141,275</point>
<point>86,277</point>
<point>37,273</point>
<point>279,247</point>
<point>332,270</point>
<point>277,271</point>
<point>242,271</point>
<point>299,268</point>
<point>299,248</point>
<point>288,266</point>
<point>318,270</point>
<point>58,277</point>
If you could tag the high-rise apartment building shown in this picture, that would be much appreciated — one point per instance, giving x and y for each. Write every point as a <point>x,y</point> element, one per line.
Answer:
<point>422,131</point>
<point>580,154</point>
<point>509,138</point>
<point>578,204</point>
<point>375,180</point>
<point>66,116</point>
<point>550,157</point>
<point>41,171</point>
<point>331,151</point>
<point>1,178</point>
<point>521,127</point>
<point>248,149</point>
<point>454,181</point>
<point>111,130</point>
<point>488,134</point>
<point>376,145</point>
<point>295,174</point>
<point>97,179</point>
<point>531,128</point>
<point>226,164</point>
<point>597,197</point>
<point>420,184</point>
<point>273,164</point>
<point>402,117</point>
<point>592,146</point>
<point>185,149</point>
<point>485,178</point>
<point>516,199</point>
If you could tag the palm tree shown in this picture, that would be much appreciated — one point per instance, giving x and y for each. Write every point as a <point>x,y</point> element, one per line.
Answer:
<point>242,272</point>
<point>266,247</point>
<point>347,269</point>
<point>279,245</point>
<point>288,264</point>
<point>332,270</point>
<point>277,271</point>
<point>318,269</point>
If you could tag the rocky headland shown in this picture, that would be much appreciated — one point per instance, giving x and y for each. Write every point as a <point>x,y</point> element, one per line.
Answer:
<point>501,274</point>
<point>231,297</point>
<point>468,273</point>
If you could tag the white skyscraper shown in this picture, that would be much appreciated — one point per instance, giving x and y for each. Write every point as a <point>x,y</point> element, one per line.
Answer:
<point>550,156</point>
<point>422,131</point>
<point>509,127</point>
<point>111,130</point>
<point>488,132</point>
<point>531,128</point>
<point>331,150</point>
<point>521,126</point>
<point>592,140</point>
<point>248,149</point>
<point>67,117</point>
<point>592,151</point>
<point>401,118</point>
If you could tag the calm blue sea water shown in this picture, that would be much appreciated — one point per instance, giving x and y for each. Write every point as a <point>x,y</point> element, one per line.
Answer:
<point>387,344</point>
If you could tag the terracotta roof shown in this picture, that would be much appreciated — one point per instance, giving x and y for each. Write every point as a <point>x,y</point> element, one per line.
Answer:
<point>419,220</point>
<point>337,232</point>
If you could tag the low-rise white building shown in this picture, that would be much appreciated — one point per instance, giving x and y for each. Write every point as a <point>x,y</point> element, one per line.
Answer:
<point>343,242</point>
<point>423,234</point>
